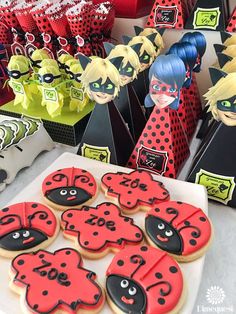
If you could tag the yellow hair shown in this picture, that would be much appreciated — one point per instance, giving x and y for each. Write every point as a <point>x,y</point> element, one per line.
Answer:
<point>225,88</point>
<point>49,69</point>
<point>103,69</point>
<point>129,55</point>
<point>230,41</point>
<point>230,51</point>
<point>230,66</point>
<point>158,39</point>
<point>146,46</point>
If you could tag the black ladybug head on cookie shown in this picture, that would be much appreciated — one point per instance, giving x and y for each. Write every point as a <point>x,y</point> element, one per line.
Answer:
<point>25,225</point>
<point>178,228</point>
<point>143,279</point>
<point>69,187</point>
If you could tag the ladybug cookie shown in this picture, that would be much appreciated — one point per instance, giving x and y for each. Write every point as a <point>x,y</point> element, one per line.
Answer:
<point>26,226</point>
<point>69,187</point>
<point>55,283</point>
<point>180,229</point>
<point>134,191</point>
<point>144,280</point>
<point>96,231</point>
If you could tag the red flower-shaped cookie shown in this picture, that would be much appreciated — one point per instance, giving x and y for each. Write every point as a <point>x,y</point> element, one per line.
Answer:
<point>143,279</point>
<point>134,191</point>
<point>180,229</point>
<point>98,229</point>
<point>24,226</point>
<point>69,187</point>
<point>53,282</point>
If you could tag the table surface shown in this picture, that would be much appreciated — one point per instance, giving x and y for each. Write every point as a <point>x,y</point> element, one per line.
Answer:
<point>219,268</point>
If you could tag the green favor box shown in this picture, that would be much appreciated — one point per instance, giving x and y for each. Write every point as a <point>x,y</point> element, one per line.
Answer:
<point>67,128</point>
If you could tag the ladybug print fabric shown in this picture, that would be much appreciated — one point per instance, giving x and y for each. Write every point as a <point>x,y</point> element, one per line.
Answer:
<point>178,228</point>
<point>144,280</point>
<point>69,187</point>
<point>97,229</point>
<point>135,190</point>
<point>55,282</point>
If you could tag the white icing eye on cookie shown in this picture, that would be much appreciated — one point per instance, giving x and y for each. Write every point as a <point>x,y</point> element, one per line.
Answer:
<point>124,284</point>
<point>63,192</point>
<point>73,192</point>
<point>132,291</point>
<point>26,234</point>
<point>16,235</point>
<point>161,226</point>
<point>169,233</point>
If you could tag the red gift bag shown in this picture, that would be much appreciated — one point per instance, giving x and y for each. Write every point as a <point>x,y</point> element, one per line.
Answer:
<point>131,8</point>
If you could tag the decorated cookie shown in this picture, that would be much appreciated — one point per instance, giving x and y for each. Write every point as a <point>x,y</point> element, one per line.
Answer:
<point>26,227</point>
<point>55,283</point>
<point>142,279</point>
<point>134,191</point>
<point>180,229</point>
<point>96,231</point>
<point>69,187</point>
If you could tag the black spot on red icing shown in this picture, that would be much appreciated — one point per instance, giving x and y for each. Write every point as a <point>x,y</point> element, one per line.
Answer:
<point>144,284</point>
<point>69,187</point>
<point>114,229</point>
<point>26,225</point>
<point>177,228</point>
<point>145,190</point>
<point>56,287</point>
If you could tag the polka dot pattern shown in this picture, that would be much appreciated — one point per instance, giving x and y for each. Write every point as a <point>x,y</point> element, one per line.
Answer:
<point>180,18</point>
<point>169,137</point>
<point>232,23</point>
<point>186,115</point>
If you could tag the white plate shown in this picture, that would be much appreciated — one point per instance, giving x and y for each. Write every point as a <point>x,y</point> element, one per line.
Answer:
<point>179,190</point>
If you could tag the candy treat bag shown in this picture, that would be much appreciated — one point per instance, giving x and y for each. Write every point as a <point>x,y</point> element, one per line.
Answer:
<point>146,54</point>
<point>99,15</point>
<point>7,13</point>
<point>36,58</point>
<point>6,37</point>
<point>188,54</point>
<point>127,101</point>
<point>199,41</point>
<point>214,163</point>
<point>106,137</point>
<point>51,89</point>
<point>44,26</point>
<point>59,23</point>
<point>28,25</point>
<point>79,19</point>
<point>78,98</point>
<point>162,147</point>
<point>68,83</point>
<point>61,62</point>
<point>19,74</point>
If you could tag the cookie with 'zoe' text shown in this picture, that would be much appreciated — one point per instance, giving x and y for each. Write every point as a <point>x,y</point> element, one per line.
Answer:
<point>55,283</point>
<point>69,187</point>
<point>134,191</point>
<point>25,227</point>
<point>98,230</point>
<point>181,229</point>
<point>144,280</point>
